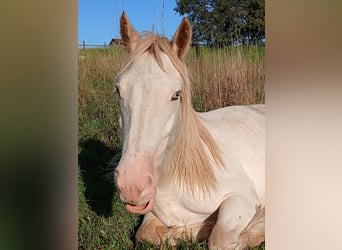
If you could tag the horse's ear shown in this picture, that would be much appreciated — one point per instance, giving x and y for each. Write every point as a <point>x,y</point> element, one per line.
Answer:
<point>130,37</point>
<point>182,39</point>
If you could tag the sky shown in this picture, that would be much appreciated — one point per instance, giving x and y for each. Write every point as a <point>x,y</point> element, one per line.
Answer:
<point>98,21</point>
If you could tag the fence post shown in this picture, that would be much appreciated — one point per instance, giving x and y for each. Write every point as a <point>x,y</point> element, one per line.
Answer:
<point>198,51</point>
<point>83,45</point>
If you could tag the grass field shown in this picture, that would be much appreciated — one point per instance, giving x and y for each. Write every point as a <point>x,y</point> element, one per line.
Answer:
<point>229,76</point>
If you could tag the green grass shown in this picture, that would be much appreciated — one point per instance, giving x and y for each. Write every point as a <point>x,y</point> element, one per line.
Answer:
<point>103,222</point>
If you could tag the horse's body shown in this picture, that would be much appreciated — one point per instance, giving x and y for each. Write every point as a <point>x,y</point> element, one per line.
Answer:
<point>193,175</point>
<point>234,128</point>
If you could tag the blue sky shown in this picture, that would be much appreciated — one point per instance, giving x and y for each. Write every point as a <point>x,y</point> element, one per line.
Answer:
<point>98,21</point>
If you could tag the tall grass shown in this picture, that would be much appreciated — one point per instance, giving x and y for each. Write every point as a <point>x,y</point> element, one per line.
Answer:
<point>98,105</point>
<point>229,76</point>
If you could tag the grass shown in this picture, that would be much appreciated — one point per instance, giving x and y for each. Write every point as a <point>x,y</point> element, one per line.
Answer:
<point>229,76</point>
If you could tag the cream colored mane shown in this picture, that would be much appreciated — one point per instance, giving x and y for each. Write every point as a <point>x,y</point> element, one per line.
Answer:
<point>187,162</point>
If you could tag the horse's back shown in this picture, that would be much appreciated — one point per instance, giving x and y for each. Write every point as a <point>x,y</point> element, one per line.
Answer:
<point>234,112</point>
<point>234,119</point>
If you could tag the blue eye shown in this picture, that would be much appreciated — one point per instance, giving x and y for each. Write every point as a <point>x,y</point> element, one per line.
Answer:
<point>176,95</point>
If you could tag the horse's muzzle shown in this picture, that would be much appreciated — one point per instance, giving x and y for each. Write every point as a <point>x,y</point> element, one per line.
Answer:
<point>136,191</point>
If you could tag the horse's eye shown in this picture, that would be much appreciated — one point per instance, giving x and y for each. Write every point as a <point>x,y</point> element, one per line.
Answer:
<point>176,95</point>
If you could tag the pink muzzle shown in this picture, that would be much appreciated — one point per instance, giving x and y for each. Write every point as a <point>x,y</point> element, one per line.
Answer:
<point>137,185</point>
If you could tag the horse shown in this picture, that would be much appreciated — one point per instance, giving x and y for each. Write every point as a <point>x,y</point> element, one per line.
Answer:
<point>196,176</point>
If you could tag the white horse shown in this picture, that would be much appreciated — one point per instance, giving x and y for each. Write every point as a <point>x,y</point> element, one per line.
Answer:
<point>193,175</point>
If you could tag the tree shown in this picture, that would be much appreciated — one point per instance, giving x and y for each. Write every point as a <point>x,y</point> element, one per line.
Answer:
<point>198,13</point>
<point>224,22</point>
<point>254,29</point>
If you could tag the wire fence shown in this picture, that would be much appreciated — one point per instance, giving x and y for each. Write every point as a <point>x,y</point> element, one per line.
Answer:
<point>83,45</point>
<point>114,42</point>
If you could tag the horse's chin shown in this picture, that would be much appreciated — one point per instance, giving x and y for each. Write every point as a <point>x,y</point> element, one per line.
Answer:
<point>140,209</point>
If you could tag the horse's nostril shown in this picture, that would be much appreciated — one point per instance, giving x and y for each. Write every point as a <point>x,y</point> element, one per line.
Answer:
<point>149,181</point>
<point>148,186</point>
<point>116,173</point>
<point>116,177</point>
<point>116,180</point>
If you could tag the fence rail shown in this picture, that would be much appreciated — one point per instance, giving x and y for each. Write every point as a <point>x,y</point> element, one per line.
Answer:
<point>92,46</point>
<point>113,42</point>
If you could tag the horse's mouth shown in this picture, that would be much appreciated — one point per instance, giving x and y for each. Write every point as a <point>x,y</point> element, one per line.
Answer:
<point>140,209</point>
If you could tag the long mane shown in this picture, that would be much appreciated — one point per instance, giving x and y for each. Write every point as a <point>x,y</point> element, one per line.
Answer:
<point>191,153</point>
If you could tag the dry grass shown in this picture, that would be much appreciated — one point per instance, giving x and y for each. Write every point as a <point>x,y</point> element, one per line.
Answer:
<point>230,76</point>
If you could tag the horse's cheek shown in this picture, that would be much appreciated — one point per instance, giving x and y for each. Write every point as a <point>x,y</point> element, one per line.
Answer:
<point>168,126</point>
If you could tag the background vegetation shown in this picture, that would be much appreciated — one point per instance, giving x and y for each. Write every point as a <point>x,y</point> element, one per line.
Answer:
<point>228,76</point>
<point>224,22</point>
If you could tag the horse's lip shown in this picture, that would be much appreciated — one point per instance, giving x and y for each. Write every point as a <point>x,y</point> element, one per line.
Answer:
<point>140,209</point>
<point>137,207</point>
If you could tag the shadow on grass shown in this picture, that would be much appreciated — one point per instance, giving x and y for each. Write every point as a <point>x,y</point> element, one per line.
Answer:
<point>97,163</point>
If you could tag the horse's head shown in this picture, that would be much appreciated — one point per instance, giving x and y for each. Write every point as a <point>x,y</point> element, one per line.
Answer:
<point>150,86</point>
